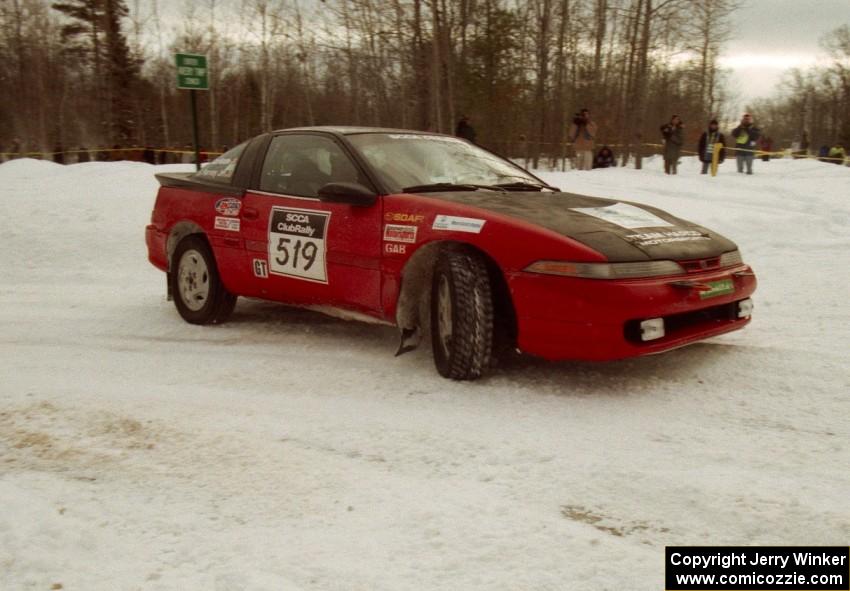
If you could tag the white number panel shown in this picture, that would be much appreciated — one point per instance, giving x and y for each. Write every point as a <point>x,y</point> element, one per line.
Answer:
<point>297,243</point>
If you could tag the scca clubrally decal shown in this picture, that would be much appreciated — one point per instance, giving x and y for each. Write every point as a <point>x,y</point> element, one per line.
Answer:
<point>297,243</point>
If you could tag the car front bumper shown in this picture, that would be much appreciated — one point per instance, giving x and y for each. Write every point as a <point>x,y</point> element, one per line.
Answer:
<point>595,319</point>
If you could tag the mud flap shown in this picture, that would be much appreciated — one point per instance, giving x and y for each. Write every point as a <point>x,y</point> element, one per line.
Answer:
<point>410,339</point>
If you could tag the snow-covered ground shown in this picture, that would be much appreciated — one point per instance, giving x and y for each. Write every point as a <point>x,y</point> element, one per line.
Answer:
<point>289,450</point>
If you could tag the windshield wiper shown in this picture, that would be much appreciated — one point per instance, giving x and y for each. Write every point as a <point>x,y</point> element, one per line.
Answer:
<point>448,187</point>
<point>524,186</point>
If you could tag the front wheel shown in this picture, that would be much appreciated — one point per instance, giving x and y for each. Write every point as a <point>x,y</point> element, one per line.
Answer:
<point>199,295</point>
<point>461,315</point>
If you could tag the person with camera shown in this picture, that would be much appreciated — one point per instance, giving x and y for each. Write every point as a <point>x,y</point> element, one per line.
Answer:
<point>582,136</point>
<point>746,135</point>
<point>673,138</point>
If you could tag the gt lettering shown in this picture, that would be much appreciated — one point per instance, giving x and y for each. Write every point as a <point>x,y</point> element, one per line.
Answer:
<point>261,268</point>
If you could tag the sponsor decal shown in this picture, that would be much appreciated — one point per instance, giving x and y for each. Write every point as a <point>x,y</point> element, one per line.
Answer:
<point>458,224</point>
<point>625,215</point>
<point>718,288</point>
<point>229,224</point>
<point>228,206</point>
<point>298,243</point>
<point>665,237</point>
<point>411,218</point>
<point>396,233</point>
<point>393,248</point>
<point>261,268</point>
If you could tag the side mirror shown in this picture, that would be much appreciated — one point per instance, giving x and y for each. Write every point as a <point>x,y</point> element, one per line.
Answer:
<point>351,193</point>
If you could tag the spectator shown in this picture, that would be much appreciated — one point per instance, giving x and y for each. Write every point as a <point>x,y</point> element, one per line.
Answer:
<point>707,144</point>
<point>765,144</point>
<point>746,135</point>
<point>604,158</point>
<point>148,155</point>
<point>823,153</point>
<point>58,153</point>
<point>523,150</point>
<point>465,130</point>
<point>804,144</point>
<point>83,154</point>
<point>582,136</point>
<point>673,138</point>
<point>837,154</point>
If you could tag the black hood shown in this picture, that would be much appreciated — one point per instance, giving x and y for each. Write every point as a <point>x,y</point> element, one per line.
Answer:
<point>664,237</point>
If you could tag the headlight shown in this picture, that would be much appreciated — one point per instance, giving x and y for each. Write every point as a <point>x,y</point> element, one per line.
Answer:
<point>606,270</point>
<point>729,259</point>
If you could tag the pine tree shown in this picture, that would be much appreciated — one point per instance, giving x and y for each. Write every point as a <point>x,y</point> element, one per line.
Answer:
<point>95,32</point>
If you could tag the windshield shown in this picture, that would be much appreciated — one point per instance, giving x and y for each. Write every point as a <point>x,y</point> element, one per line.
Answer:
<point>412,160</point>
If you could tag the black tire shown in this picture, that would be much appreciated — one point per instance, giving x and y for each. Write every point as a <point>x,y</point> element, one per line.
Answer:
<point>199,295</point>
<point>462,331</point>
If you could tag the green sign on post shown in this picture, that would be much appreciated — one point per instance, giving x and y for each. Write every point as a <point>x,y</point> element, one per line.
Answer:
<point>192,72</point>
<point>192,75</point>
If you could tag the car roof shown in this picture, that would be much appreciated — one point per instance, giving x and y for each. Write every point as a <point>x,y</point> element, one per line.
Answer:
<point>352,130</point>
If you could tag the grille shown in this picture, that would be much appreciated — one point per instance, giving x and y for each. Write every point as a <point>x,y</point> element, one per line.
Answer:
<point>675,323</point>
<point>695,266</point>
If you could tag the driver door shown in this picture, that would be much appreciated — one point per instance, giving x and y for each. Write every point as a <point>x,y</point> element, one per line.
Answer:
<point>305,251</point>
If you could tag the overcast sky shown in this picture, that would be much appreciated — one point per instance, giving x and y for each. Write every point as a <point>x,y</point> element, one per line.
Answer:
<point>770,36</point>
<point>774,35</point>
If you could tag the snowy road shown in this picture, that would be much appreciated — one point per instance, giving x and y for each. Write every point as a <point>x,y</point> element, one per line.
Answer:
<point>289,450</point>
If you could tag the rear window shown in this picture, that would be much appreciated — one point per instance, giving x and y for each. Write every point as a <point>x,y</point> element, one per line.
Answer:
<point>222,168</point>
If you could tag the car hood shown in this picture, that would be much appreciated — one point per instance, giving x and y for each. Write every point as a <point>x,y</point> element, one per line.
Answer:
<point>623,231</point>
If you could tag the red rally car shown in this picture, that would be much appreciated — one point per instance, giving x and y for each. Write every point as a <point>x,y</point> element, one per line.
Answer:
<point>434,234</point>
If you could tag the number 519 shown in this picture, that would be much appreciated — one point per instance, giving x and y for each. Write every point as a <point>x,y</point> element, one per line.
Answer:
<point>306,251</point>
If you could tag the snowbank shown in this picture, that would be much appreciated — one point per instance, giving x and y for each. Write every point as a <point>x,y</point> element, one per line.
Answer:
<point>289,450</point>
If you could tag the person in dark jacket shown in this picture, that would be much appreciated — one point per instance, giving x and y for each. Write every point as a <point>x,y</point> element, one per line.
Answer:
<point>604,158</point>
<point>673,138</point>
<point>83,154</point>
<point>148,155</point>
<point>59,154</point>
<point>746,135</point>
<point>707,142</point>
<point>765,145</point>
<point>465,130</point>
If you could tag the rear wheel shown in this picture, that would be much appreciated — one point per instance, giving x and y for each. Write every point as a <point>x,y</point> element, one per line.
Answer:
<point>461,315</point>
<point>199,295</point>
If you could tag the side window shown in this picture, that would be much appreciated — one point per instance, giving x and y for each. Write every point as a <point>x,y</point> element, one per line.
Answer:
<point>222,168</point>
<point>302,164</point>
